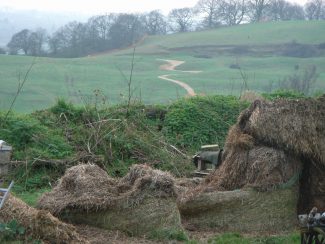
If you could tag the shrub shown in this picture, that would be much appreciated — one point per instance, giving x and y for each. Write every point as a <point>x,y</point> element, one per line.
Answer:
<point>288,94</point>
<point>192,122</point>
<point>30,138</point>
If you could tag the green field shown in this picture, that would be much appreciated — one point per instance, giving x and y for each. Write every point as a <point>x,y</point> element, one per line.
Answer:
<point>257,48</point>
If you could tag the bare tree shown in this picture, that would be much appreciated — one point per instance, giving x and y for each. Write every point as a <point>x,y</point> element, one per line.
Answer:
<point>233,11</point>
<point>283,10</point>
<point>257,9</point>
<point>155,23</point>
<point>97,36</point>
<point>181,19</point>
<point>20,41</point>
<point>277,9</point>
<point>210,9</point>
<point>100,25</point>
<point>296,12</point>
<point>302,81</point>
<point>315,9</point>
<point>36,42</point>
<point>30,42</point>
<point>127,29</point>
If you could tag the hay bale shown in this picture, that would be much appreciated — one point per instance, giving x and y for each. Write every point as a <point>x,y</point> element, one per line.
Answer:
<point>244,211</point>
<point>39,224</point>
<point>140,202</point>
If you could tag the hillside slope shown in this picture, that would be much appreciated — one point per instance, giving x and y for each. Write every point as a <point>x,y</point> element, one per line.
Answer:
<point>268,33</point>
<point>259,54</point>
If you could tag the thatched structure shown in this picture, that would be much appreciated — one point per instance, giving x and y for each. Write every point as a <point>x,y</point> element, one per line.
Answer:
<point>274,147</point>
<point>292,133</point>
<point>246,211</point>
<point>39,224</point>
<point>248,164</point>
<point>142,201</point>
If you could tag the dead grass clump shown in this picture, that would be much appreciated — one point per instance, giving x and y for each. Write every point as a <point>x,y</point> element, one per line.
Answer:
<point>39,224</point>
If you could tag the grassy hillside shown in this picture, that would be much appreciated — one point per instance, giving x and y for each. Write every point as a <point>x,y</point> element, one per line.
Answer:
<point>308,32</point>
<point>265,52</point>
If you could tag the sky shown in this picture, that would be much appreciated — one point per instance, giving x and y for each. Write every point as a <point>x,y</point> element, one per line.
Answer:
<point>103,6</point>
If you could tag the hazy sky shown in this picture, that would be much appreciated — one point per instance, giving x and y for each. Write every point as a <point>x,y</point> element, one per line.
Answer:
<point>103,6</point>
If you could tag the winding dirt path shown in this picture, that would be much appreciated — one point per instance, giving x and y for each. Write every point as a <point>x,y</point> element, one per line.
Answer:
<point>189,89</point>
<point>171,66</point>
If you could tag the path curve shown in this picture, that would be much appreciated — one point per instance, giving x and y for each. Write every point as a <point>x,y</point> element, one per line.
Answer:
<point>189,89</point>
<point>171,66</point>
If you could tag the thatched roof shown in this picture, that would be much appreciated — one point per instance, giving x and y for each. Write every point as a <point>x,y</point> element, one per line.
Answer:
<point>272,145</point>
<point>89,187</point>
<point>296,126</point>
<point>269,143</point>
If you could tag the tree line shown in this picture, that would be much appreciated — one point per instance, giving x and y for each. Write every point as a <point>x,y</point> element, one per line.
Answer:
<point>112,31</point>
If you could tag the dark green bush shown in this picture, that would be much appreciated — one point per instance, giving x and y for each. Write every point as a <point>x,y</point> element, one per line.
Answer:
<point>31,139</point>
<point>193,122</point>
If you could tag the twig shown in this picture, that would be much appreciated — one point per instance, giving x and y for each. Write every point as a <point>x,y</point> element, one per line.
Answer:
<point>20,87</point>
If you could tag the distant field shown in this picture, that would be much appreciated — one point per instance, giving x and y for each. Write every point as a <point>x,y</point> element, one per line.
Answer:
<point>259,49</point>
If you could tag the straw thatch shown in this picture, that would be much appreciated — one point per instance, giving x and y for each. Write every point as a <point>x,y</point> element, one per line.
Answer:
<point>244,211</point>
<point>272,142</point>
<point>274,147</point>
<point>294,125</point>
<point>257,166</point>
<point>39,224</point>
<point>145,199</point>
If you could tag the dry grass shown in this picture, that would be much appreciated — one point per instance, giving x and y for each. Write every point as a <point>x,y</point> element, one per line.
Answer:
<point>39,224</point>
<point>143,200</point>
<point>88,187</point>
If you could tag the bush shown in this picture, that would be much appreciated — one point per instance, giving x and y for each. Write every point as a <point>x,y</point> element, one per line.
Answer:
<point>120,140</point>
<point>190,123</point>
<point>31,139</point>
<point>288,94</point>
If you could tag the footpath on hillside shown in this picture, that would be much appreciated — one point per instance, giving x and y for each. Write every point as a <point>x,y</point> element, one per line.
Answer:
<point>171,66</point>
